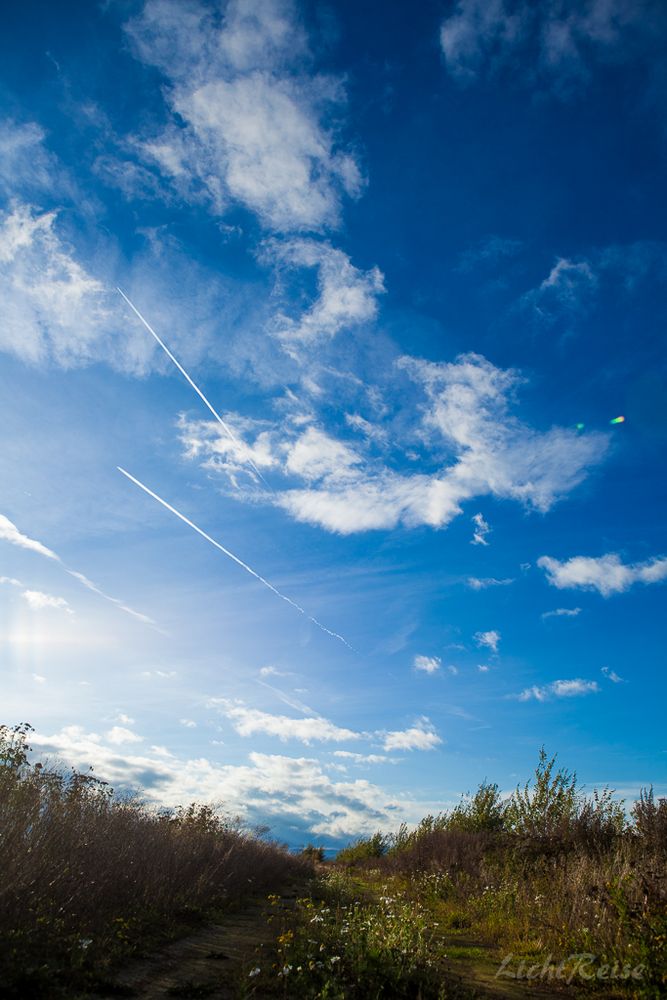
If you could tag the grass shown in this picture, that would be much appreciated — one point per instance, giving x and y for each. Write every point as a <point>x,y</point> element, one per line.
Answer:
<point>89,879</point>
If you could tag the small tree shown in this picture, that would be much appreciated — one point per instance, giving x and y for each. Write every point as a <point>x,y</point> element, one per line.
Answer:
<point>312,853</point>
<point>484,811</point>
<point>546,807</point>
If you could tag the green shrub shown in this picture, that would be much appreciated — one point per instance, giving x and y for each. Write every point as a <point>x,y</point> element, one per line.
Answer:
<point>364,849</point>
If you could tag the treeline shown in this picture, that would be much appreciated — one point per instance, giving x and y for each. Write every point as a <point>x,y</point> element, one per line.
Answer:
<point>88,878</point>
<point>546,870</point>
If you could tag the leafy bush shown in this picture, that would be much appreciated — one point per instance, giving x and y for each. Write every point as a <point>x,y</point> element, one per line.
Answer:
<point>364,849</point>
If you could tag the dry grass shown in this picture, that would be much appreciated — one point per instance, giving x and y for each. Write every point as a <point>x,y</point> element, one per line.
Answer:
<point>88,878</point>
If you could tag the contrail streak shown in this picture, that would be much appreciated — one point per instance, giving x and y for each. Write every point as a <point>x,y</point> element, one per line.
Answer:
<point>114,600</point>
<point>226,428</point>
<point>10,533</point>
<point>231,555</point>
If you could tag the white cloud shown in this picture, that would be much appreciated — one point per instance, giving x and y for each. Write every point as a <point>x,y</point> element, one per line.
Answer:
<point>119,735</point>
<point>37,600</point>
<point>559,689</point>
<point>250,124</point>
<point>249,721</point>
<point>270,788</point>
<point>429,664</point>
<point>488,639</point>
<point>10,533</point>
<point>462,422</point>
<point>483,668</point>
<point>346,296</point>
<point>53,308</point>
<point>273,672</point>
<point>562,613</point>
<point>489,251</point>
<point>364,758</point>
<point>606,574</point>
<point>25,163</point>
<point>611,675</point>
<point>557,44</point>
<point>10,581</point>
<point>316,455</point>
<point>566,290</point>
<point>39,679</point>
<point>421,736</point>
<point>160,674</point>
<point>477,583</point>
<point>482,529</point>
<point>188,723</point>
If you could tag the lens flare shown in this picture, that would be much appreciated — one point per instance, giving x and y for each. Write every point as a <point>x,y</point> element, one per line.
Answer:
<point>617,420</point>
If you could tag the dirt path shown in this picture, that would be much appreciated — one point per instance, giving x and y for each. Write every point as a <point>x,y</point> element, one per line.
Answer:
<point>210,963</point>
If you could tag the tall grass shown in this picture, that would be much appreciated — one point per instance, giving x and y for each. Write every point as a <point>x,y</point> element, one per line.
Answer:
<point>86,877</point>
<point>547,871</point>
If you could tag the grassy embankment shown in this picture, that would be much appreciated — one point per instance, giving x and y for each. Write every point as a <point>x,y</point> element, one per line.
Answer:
<point>89,879</point>
<point>561,886</point>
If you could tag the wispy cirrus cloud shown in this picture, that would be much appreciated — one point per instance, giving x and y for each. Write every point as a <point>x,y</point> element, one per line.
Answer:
<point>561,613</point>
<point>457,413</point>
<point>38,600</point>
<point>482,530</point>
<point>557,46</point>
<point>27,165</point>
<point>54,309</point>
<point>567,290</point>
<point>483,583</point>
<point>250,121</point>
<point>119,735</point>
<point>611,675</point>
<point>607,574</point>
<point>346,296</point>
<point>558,689</point>
<point>364,758</point>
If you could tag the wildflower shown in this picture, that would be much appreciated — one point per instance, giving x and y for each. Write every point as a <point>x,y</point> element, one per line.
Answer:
<point>254,972</point>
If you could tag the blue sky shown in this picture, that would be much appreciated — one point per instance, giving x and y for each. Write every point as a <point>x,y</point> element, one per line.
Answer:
<point>415,263</point>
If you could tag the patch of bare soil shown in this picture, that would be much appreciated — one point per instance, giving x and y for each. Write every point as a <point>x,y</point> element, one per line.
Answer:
<point>214,962</point>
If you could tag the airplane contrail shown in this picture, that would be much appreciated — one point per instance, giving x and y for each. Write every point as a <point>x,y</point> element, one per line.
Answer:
<point>10,533</point>
<point>227,429</point>
<point>114,600</point>
<point>231,555</point>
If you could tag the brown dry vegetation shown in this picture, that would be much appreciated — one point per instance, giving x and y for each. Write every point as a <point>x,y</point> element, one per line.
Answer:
<point>88,878</point>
